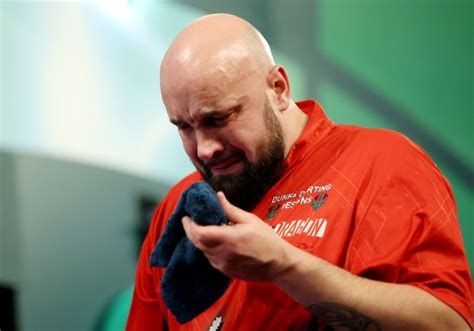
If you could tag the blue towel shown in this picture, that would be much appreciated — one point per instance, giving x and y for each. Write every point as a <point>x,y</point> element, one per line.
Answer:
<point>190,284</point>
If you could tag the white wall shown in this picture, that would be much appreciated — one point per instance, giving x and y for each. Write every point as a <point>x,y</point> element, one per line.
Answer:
<point>81,83</point>
<point>69,242</point>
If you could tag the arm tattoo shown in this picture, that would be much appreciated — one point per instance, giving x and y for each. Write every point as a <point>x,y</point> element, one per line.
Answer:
<point>344,318</point>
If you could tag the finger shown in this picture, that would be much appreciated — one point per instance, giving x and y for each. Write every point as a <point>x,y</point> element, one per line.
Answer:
<point>233,213</point>
<point>189,228</point>
<point>203,237</point>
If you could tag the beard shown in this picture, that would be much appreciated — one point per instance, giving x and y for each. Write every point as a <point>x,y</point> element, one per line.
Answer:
<point>246,188</point>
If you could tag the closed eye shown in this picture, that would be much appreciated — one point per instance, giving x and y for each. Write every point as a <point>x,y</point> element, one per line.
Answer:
<point>217,120</point>
<point>183,126</point>
<point>180,125</point>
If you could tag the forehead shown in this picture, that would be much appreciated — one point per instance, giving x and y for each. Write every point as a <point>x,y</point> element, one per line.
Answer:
<point>215,91</point>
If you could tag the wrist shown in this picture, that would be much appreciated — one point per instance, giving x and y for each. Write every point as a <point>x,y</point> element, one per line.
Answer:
<point>287,265</point>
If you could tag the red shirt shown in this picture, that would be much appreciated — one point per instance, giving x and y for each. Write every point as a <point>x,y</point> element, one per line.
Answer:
<point>367,200</point>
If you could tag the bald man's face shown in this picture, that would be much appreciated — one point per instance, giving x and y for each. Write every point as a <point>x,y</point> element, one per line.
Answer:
<point>229,130</point>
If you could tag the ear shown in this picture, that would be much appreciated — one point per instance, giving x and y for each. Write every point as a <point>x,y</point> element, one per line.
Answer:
<point>278,83</point>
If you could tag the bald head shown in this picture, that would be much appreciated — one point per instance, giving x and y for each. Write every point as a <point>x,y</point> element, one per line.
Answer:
<point>225,94</point>
<point>218,44</point>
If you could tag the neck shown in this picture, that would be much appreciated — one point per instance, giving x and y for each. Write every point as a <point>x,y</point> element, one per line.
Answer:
<point>294,120</point>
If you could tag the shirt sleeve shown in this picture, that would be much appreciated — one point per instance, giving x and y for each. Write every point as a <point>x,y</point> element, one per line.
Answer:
<point>409,234</point>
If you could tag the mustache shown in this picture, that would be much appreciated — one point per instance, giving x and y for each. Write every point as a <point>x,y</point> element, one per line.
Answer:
<point>223,157</point>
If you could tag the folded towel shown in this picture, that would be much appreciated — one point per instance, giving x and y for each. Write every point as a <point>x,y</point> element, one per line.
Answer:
<point>190,284</point>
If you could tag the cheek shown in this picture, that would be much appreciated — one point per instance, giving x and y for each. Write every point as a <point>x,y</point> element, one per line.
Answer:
<point>189,145</point>
<point>250,135</point>
<point>249,142</point>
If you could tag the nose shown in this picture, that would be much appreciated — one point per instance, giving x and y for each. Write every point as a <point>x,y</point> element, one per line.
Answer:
<point>208,145</point>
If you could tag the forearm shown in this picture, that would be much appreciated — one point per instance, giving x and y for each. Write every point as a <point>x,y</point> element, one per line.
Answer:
<point>359,303</point>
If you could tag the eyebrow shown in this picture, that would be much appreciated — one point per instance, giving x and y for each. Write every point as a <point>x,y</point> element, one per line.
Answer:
<point>207,114</point>
<point>176,122</point>
<point>214,113</point>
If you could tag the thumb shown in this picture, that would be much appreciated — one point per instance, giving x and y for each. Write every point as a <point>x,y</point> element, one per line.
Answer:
<point>234,214</point>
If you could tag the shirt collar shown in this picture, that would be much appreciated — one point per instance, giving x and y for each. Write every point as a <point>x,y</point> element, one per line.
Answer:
<point>317,126</point>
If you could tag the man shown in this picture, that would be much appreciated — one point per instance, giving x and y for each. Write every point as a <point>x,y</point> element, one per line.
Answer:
<point>334,225</point>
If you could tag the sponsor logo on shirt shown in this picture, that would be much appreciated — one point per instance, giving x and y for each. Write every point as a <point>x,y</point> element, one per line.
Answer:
<point>272,211</point>
<point>319,200</point>
<point>216,324</point>
<point>315,195</point>
<point>309,227</point>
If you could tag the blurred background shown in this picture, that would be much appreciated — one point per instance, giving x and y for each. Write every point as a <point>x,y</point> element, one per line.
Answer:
<point>86,150</point>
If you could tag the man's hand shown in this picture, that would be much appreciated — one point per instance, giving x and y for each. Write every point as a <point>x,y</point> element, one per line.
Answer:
<point>249,249</point>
